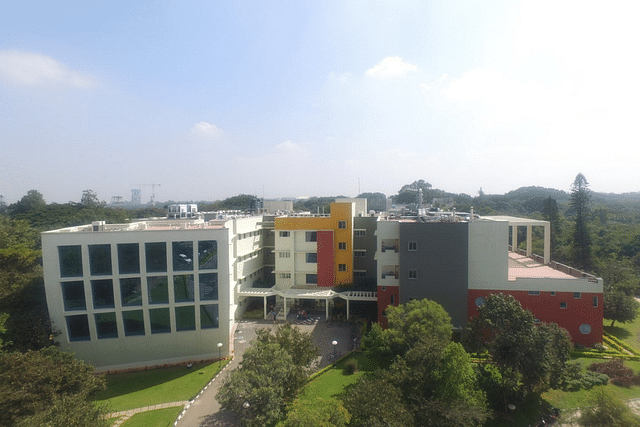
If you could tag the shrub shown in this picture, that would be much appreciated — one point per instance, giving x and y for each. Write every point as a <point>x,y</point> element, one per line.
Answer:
<point>351,366</point>
<point>615,369</point>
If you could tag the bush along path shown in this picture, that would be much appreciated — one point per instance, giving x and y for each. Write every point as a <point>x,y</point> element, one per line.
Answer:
<point>125,415</point>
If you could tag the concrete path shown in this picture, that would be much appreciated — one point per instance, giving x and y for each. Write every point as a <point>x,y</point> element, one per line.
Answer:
<point>125,415</point>
<point>205,411</point>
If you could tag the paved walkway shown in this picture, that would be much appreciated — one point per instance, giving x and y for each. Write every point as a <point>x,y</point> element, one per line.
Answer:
<point>125,415</point>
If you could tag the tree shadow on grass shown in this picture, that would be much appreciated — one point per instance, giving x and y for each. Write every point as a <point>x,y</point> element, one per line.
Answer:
<point>617,332</point>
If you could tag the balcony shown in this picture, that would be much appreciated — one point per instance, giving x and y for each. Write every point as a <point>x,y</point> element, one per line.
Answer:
<point>390,245</point>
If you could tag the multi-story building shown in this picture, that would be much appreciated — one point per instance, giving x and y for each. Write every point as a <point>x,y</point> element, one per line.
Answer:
<point>157,292</point>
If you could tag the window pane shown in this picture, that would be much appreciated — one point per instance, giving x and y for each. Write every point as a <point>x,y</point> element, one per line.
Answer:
<point>102,293</point>
<point>128,258</point>
<point>70,261</point>
<point>186,318</point>
<point>73,296</point>
<point>160,320</point>
<point>182,256</point>
<point>133,322</point>
<point>78,328</point>
<point>106,325</point>
<point>158,288</point>
<point>183,288</point>
<point>209,316</point>
<point>208,286</point>
<point>100,260</point>
<point>208,255</point>
<point>312,257</point>
<point>312,279</point>
<point>156,257</point>
<point>131,291</point>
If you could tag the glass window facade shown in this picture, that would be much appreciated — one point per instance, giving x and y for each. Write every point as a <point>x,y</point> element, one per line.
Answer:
<point>100,260</point>
<point>160,320</point>
<point>156,257</point>
<point>158,288</point>
<point>183,288</point>
<point>208,254</point>
<point>186,318</point>
<point>73,296</point>
<point>208,286</point>
<point>128,258</point>
<point>78,327</point>
<point>70,258</point>
<point>209,316</point>
<point>182,256</point>
<point>102,291</point>
<point>133,322</point>
<point>131,291</point>
<point>106,325</point>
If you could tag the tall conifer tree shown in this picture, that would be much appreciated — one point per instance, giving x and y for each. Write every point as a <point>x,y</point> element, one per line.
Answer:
<point>580,197</point>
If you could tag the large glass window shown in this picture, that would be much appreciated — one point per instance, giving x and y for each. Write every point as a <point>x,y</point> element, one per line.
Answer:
<point>158,288</point>
<point>182,256</point>
<point>208,254</point>
<point>209,316</point>
<point>128,258</point>
<point>133,322</point>
<point>156,257</point>
<point>70,261</point>
<point>186,318</point>
<point>78,328</point>
<point>312,279</point>
<point>102,293</point>
<point>183,288</point>
<point>160,320</point>
<point>73,296</point>
<point>100,260</point>
<point>106,325</point>
<point>131,291</point>
<point>312,257</point>
<point>208,286</point>
<point>311,236</point>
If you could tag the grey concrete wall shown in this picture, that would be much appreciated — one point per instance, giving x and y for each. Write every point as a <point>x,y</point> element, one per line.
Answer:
<point>368,244</point>
<point>441,263</point>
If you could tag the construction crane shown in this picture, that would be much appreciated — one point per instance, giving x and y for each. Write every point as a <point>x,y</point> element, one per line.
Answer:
<point>153,192</point>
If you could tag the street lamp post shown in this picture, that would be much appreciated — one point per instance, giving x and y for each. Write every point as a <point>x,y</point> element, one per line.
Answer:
<point>335,343</point>
<point>219,354</point>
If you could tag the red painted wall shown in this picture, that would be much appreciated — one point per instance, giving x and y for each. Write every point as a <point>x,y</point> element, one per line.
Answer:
<point>326,269</point>
<point>546,308</point>
<point>385,295</point>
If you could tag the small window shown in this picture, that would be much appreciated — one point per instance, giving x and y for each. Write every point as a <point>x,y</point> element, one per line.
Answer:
<point>311,236</point>
<point>342,224</point>
<point>284,234</point>
<point>393,299</point>
<point>563,305</point>
<point>534,292</point>
<point>312,279</point>
<point>536,321</point>
<point>413,274</point>
<point>342,267</point>
<point>480,301</point>
<point>312,257</point>
<point>360,233</point>
<point>585,329</point>
<point>284,275</point>
<point>595,301</point>
<point>342,246</point>
<point>284,254</point>
<point>413,246</point>
<point>577,295</point>
<point>359,274</point>
<point>359,254</point>
<point>552,293</point>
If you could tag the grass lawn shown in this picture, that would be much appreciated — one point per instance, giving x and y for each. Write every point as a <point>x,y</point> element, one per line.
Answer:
<point>143,388</point>
<point>158,418</point>
<point>627,332</point>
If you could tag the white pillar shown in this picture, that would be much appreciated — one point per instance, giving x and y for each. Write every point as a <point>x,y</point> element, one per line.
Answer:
<point>348,302</point>
<point>285,309</point>
<point>514,238</point>
<point>326,309</point>
<point>547,242</point>
<point>529,237</point>
<point>264,299</point>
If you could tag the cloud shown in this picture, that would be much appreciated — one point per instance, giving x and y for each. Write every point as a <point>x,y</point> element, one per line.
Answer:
<point>288,146</point>
<point>206,131</point>
<point>391,67</point>
<point>34,69</point>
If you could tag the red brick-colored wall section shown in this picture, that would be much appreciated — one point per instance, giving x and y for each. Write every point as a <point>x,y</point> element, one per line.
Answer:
<point>562,308</point>
<point>326,265</point>
<point>387,295</point>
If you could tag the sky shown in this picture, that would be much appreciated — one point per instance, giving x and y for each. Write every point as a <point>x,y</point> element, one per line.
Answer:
<point>212,99</point>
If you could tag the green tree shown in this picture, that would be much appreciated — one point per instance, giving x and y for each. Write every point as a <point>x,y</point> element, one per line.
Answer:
<point>580,197</point>
<point>319,413</point>
<point>32,201</point>
<point>376,402</point>
<point>619,307</point>
<point>608,410</point>
<point>44,387</point>
<point>89,199</point>
<point>417,321</point>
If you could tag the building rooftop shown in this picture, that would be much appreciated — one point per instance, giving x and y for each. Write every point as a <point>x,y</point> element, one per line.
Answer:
<point>521,266</point>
